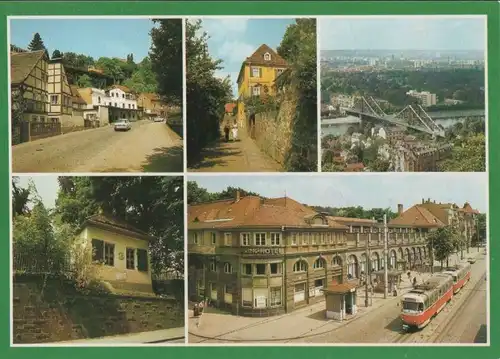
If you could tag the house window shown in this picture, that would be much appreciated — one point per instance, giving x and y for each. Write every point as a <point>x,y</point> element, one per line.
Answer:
<point>275,296</point>
<point>54,99</point>
<point>245,239</point>
<point>255,72</point>
<point>319,263</point>
<point>195,238</point>
<point>300,266</point>
<point>275,239</point>
<point>267,56</point>
<point>112,94</point>
<point>142,260</point>
<point>213,266</point>
<point>256,91</point>
<point>130,257</point>
<point>129,106</point>
<point>260,239</point>
<point>275,268</point>
<point>109,254</point>
<point>247,269</point>
<point>313,238</point>
<point>294,239</point>
<point>227,239</point>
<point>228,268</point>
<point>213,237</point>
<point>305,238</point>
<point>115,105</point>
<point>123,95</point>
<point>260,269</point>
<point>99,99</point>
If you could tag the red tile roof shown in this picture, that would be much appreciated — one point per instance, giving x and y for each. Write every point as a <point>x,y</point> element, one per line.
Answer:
<point>355,167</point>
<point>417,216</point>
<point>229,107</point>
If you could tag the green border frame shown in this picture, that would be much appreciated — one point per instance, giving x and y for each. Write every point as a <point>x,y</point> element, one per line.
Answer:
<point>310,8</point>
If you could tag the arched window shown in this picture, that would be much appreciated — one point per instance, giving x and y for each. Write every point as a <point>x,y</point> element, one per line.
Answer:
<point>267,56</point>
<point>319,263</point>
<point>300,266</point>
<point>337,261</point>
<point>228,268</point>
<point>213,266</point>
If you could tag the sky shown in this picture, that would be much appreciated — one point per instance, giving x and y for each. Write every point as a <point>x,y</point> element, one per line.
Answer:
<point>46,186</point>
<point>234,39</point>
<point>368,191</point>
<point>92,37</point>
<point>402,33</point>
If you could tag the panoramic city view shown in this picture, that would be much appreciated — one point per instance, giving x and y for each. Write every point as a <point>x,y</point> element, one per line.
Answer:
<point>99,104</point>
<point>328,260</point>
<point>251,95</point>
<point>403,94</point>
<point>97,260</point>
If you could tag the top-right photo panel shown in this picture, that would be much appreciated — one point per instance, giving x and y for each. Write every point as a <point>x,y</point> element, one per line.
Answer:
<point>403,93</point>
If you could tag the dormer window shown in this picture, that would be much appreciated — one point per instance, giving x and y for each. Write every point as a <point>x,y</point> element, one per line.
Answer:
<point>267,56</point>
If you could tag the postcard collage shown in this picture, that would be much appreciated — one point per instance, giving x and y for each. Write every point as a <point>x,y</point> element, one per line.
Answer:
<point>249,181</point>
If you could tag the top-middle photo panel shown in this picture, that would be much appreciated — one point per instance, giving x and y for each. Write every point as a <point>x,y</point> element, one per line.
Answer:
<point>251,95</point>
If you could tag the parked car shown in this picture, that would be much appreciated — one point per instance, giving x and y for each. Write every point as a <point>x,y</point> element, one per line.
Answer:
<point>158,119</point>
<point>471,260</point>
<point>122,125</point>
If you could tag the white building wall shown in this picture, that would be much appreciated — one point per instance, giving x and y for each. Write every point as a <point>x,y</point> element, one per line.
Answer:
<point>122,99</point>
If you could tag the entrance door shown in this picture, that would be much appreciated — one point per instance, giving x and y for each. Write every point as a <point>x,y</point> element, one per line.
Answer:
<point>299,292</point>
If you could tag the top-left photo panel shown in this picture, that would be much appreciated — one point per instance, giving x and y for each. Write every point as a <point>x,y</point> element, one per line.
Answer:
<point>96,95</point>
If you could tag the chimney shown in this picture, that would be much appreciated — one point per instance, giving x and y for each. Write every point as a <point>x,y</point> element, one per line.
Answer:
<point>400,209</point>
<point>238,196</point>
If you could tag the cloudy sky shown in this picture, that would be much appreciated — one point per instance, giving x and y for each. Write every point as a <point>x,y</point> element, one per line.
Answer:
<point>402,33</point>
<point>234,39</point>
<point>369,191</point>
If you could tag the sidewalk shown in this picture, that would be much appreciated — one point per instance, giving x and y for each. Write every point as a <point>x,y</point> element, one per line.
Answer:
<point>173,335</point>
<point>218,326</point>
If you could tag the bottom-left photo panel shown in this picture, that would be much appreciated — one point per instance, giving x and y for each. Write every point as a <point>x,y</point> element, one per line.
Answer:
<point>97,260</point>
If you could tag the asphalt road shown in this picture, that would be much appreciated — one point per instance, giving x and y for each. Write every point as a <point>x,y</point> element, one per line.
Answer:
<point>147,147</point>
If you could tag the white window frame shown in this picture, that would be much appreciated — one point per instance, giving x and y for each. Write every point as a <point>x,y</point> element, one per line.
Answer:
<point>323,238</point>
<point>313,239</point>
<point>259,234</point>
<point>294,239</point>
<point>267,56</point>
<point>274,236</point>
<point>279,266</point>
<point>213,238</point>
<point>305,239</point>
<point>253,70</point>
<point>195,238</point>
<point>213,266</point>
<point>255,269</point>
<point>256,91</point>
<point>245,239</point>
<point>273,303</point>
<point>243,266</point>
<point>228,268</point>
<point>319,263</point>
<point>300,267</point>
<point>228,238</point>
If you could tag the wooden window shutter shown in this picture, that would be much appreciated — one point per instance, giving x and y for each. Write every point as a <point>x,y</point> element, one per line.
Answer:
<point>97,250</point>
<point>142,260</point>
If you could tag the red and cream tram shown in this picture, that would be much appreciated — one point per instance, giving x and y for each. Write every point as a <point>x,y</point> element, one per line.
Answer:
<point>426,300</point>
<point>460,275</point>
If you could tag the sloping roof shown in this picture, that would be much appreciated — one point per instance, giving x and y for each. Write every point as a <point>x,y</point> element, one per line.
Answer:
<point>151,96</point>
<point>22,63</point>
<point>467,208</point>
<point>350,220</point>
<point>257,58</point>
<point>86,94</point>
<point>229,107</point>
<point>112,221</point>
<point>252,211</point>
<point>417,216</point>
<point>75,95</point>
<point>341,288</point>
<point>121,87</point>
<point>439,210</point>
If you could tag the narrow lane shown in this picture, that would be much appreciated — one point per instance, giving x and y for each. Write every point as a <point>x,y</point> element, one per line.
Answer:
<point>148,147</point>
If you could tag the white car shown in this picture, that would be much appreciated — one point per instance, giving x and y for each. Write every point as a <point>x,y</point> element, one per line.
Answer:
<point>158,119</point>
<point>122,125</point>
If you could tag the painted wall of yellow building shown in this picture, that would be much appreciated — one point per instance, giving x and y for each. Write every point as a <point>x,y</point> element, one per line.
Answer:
<point>118,272</point>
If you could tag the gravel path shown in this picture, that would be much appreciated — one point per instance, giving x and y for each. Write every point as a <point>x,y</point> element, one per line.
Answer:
<point>147,147</point>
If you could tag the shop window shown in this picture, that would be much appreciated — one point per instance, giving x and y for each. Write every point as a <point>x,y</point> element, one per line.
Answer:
<point>247,297</point>
<point>275,297</point>
<point>260,297</point>
<point>275,268</point>
<point>260,269</point>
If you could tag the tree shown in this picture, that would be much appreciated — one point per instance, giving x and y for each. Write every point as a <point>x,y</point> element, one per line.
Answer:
<point>37,43</point>
<point>166,58</point>
<point>84,81</point>
<point>20,198</point>
<point>197,194</point>
<point>143,79</point>
<point>468,156</point>
<point>18,105</point>
<point>442,243</point>
<point>111,68</point>
<point>57,54</point>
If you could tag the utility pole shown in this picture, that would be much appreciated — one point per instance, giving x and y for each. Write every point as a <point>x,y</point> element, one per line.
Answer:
<point>385,256</point>
<point>367,266</point>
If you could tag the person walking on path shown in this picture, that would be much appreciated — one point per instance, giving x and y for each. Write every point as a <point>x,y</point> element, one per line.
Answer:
<point>226,132</point>
<point>235,131</point>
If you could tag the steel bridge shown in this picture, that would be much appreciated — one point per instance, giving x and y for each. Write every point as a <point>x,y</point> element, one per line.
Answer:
<point>412,116</point>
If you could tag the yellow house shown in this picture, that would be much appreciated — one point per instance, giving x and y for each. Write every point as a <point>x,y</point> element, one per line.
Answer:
<point>257,75</point>
<point>152,105</point>
<point>120,251</point>
<point>61,107</point>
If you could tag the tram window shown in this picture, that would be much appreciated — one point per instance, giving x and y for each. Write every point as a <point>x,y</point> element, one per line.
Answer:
<point>420,307</point>
<point>410,306</point>
<point>455,278</point>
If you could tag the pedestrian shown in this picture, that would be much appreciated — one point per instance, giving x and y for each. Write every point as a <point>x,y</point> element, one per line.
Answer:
<point>235,131</point>
<point>414,281</point>
<point>409,275</point>
<point>226,133</point>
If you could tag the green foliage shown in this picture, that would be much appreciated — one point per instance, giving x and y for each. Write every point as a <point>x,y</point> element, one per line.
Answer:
<point>442,242</point>
<point>18,105</point>
<point>37,43</point>
<point>143,79</point>
<point>357,212</point>
<point>468,155</point>
<point>261,104</point>
<point>20,198</point>
<point>298,48</point>
<point>112,68</point>
<point>152,204</point>
<point>56,54</point>
<point>79,61</point>
<point>206,93</point>
<point>480,228</point>
<point>166,58</point>
<point>197,194</point>
<point>84,81</point>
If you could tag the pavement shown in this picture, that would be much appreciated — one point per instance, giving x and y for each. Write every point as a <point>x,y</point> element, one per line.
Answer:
<point>147,147</point>
<point>242,155</point>
<point>310,324</point>
<point>173,335</point>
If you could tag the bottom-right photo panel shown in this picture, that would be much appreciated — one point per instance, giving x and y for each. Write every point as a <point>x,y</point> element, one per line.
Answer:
<point>338,259</point>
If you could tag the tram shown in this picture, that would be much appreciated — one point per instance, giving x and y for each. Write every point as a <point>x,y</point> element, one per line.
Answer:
<point>426,300</point>
<point>460,275</point>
